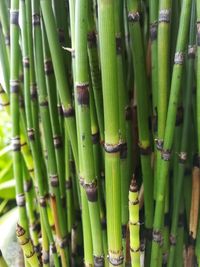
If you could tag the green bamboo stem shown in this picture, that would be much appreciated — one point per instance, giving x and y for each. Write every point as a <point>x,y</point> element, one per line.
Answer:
<point>134,224</point>
<point>169,130</point>
<point>111,122</point>
<point>4,61</point>
<point>4,17</point>
<point>62,83</point>
<point>45,247</point>
<point>184,141</point>
<point>142,112</point>
<point>2,260</point>
<point>83,119</point>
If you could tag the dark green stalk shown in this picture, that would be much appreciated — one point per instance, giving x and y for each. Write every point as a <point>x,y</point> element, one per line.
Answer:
<point>142,112</point>
<point>184,141</point>
<point>169,130</point>
<point>4,17</point>
<point>111,121</point>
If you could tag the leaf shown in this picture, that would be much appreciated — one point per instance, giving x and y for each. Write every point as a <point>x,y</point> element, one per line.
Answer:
<point>7,189</point>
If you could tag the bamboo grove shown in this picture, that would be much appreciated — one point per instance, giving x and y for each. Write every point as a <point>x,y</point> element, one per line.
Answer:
<point>104,101</point>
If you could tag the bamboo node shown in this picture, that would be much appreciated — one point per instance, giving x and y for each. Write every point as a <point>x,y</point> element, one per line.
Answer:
<point>112,148</point>
<point>26,62</point>
<point>164,15</point>
<point>14,17</point>
<point>31,134</point>
<point>45,257</point>
<point>48,66</point>
<point>63,242</point>
<point>172,240</point>
<point>20,230</point>
<point>53,248</point>
<point>14,86</point>
<point>133,16</point>
<point>42,201</point>
<point>36,19</point>
<point>99,261</point>
<point>31,253</point>
<point>95,138</point>
<point>92,39</point>
<point>128,113</point>
<point>15,143</point>
<point>28,185</point>
<point>134,250</point>
<point>68,184</point>
<point>44,103</point>
<point>192,51</point>
<point>164,258</point>
<point>54,180</point>
<point>179,58</point>
<point>91,190</point>
<point>157,237</point>
<point>57,141</point>
<point>33,91</point>
<point>166,154</point>
<point>68,112</point>
<point>60,110</point>
<point>82,90</point>
<point>133,185</point>
<point>20,199</point>
<point>144,150</point>
<point>153,31</point>
<point>5,104</point>
<point>115,261</point>
<point>182,157</point>
<point>103,223</point>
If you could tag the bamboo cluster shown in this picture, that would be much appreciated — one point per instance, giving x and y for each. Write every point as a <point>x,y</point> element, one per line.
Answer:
<point>104,101</point>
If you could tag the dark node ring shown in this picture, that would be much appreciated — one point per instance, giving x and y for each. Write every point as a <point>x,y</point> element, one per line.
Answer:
<point>5,104</point>
<point>54,180</point>
<point>172,240</point>
<point>116,261</point>
<point>128,113</point>
<point>60,110</point>
<point>112,148</point>
<point>91,190</point>
<point>63,242</point>
<point>82,91</point>
<point>99,261</point>
<point>33,91</point>
<point>42,201</point>
<point>133,185</point>
<point>95,138</point>
<point>25,241</point>
<point>191,240</point>
<point>192,51</point>
<point>133,16</point>
<point>68,184</point>
<point>135,223</point>
<point>135,250</point>
<point>157,237</point>
<point>14,17</point>
<point>92,39</point>
<point>31,170</point>
<point>26,62</point>
<point>31,254</point>
<point>20,199</point>
<point>82,181</point>
<point>48,67</point>
<point>34,226</point>
<point>14,86</point>
<point>123,150</point>
<point>164,15</point>
<point>28,185</point>
<point>31,134</point>
<point>118,44</point>
<point>166,154</point>
<point>144,150</point>
<point>36,19</point>
<point>196,161</point>
<point>20,230</point>
<point>44,103</point>
<point>53,248</point>
<point>57,141</point>
<point>15,142</point>
<point>37,248</point>
<point>179,58</point>
<point>153,30</point>
<point>45,257</point>
<point>182,157</point>
<point>68,112</point>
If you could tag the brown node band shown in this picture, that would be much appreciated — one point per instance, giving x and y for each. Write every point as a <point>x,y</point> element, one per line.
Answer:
<point>123,150</point>
<point>68,184</point>
<point>159,144</point>
<point>116,261</point>
<point>133,185</point>
<point>57,141</point>
<point>82,90</point>
<point>31,134</point>
<point>45,257</point>
<point>20,230</point>
<point>26,62</point>
<point>37,249</point>
<point>54,180</point>
<point>99,261</point>
<point>172,240</point>
<point>20,199</point>
<point>28,185</point>
<point>157,237</point>
<point>134,250</point>
<point>91,190</point>
<point>144,150</point>
<point>53,248</point>
<point>95,138</point>
<point>34,226</point>
<point>30,254</point>
<point>15,142</point>
<point>191,51</point>
<point>42,201</point>
<point>112,148</point>
<point>118,44</point>
<point>166,154</point>
<point>33,91</point>
<point>14,17</point>
<point>48,67</point>
<point>128,113</point>
<point>63,242</point>
<point>198,33</point>
<point>164,15</point>
<point>153,31</point>
<point>179,58</point>
<point>133,16</point>
<point>182,157</point>
<point>36,19</point>
<point>68,112</point>
<point>92,39</point>
<point>44,103</point>
<point>14,86</point>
